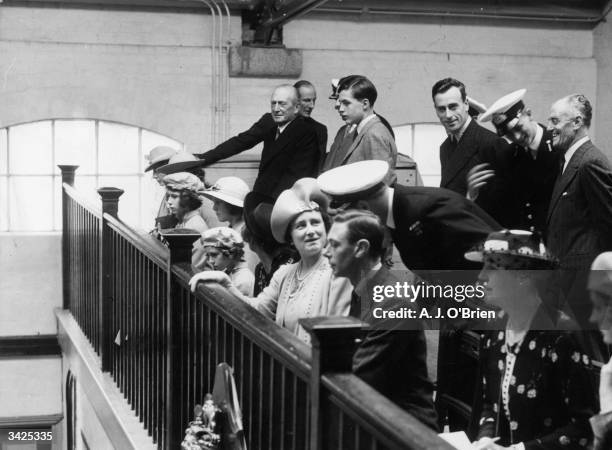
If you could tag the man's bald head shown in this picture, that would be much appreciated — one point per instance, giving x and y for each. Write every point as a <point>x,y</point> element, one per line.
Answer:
<point>284,104</point>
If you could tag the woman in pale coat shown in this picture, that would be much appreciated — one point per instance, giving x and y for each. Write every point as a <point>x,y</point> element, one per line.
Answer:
<point>307,288</point>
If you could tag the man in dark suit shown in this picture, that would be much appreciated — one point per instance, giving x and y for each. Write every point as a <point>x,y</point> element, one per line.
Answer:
<point>579,221</point>
<point>307,97</point>
<point>390,356</point>
<point>467,145</point>
<point>290,149</point>
<point>364,136</point>
<point>528,166</point>
<point>432,228</point>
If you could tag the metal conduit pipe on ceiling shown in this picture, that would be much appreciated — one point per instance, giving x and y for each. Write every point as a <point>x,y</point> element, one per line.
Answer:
<point>213,68</point>
<point>481,15</point>
<point>220,37</point>
<point>226,102</point>
<point>223,73</point>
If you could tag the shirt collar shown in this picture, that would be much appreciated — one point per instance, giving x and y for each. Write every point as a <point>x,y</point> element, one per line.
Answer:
<point>390,220</point>
<point>537,139</point>
<point>281,128</point>
<point>364,121</point>
<point>570,151</point>
<point>459,135</point>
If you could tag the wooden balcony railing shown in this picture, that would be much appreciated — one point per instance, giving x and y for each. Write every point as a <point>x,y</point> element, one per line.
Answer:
<point>162,343</point>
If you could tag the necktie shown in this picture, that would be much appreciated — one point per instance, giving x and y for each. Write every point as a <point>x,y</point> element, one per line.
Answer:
<point>278,132</point>
<point>355,310</point>
<point>561,164</point>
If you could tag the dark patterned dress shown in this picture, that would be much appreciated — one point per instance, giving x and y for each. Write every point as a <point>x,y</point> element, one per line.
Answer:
<point>537,392</point>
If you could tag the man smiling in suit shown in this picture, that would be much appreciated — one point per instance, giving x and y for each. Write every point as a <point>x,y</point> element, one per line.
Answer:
<point>579,221</point>
<point>290,149</point>
<point>364,136</point>
<point>468,144</point>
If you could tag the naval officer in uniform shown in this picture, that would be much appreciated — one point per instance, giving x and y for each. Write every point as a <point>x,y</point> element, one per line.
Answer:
<point>431,227</point>
<point>528,166</point>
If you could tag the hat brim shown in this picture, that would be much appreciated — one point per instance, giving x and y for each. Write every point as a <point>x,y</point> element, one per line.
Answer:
<point>510,259</point>
<point>180,167</point>
<point>156,165</point>
<point>223,197</point>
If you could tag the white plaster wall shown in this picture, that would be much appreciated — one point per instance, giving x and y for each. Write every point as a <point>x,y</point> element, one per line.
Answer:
<point>152,69</point>
<point>30,283</point>
<point>30,387</point>
<point>603,55</point>
<point>405,56</point>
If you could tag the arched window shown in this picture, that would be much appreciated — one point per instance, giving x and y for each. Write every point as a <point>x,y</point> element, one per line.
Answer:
<point>107,153</point>
<point>421,141</point>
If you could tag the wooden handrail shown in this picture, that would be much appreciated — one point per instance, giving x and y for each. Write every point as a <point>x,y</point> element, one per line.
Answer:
<point>151,247</point>
<point>391,425</point>
<point>168,331</point>
<point>83,200</point>
<point>280,343</point>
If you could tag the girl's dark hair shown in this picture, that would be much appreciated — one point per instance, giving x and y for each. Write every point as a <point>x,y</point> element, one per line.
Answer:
<point>189,201</point>
<point>233,209</point>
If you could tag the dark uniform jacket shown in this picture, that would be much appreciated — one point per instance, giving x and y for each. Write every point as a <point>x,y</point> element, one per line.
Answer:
<point>477,145</point>
<point>528,183</point>
<point>391,360</point>
<point>294,155</point>
<point>550,393</point>
<point>434,228</point>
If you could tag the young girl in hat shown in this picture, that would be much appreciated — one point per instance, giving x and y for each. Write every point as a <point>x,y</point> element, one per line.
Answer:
<point>183,200</point>
<point>307,288</point>
<point>224,249</point>
<point>227,195</point>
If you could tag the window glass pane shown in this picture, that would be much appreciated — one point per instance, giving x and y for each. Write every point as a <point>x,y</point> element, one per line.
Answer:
<point>431,180</point>
<point>3,154</point>
<point>403,139</point>
<point>152,196</point>
<point>129,202</point>
<point>31,203</point>
<point>30,148</point>
<point>427,140</point>
<point>151,140</point>
<point>118,149</point>
<point>3,204</point>
<point>75,143</point>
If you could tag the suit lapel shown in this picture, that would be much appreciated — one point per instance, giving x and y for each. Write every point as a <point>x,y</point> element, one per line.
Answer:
<point>275,147</point>
<point>359,138</point>
<point>457,159</point>
<point>566,178</point>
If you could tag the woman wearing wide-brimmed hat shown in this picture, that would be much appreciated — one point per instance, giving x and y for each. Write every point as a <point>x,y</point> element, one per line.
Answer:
<point>537,392</point>
<point>228,195</point>
<point>306,288</point>
<point>183,200</point>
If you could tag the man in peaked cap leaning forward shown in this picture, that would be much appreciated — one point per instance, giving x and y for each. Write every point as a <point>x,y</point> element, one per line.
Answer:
<point>431,227</point>
<point>529,165</point>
